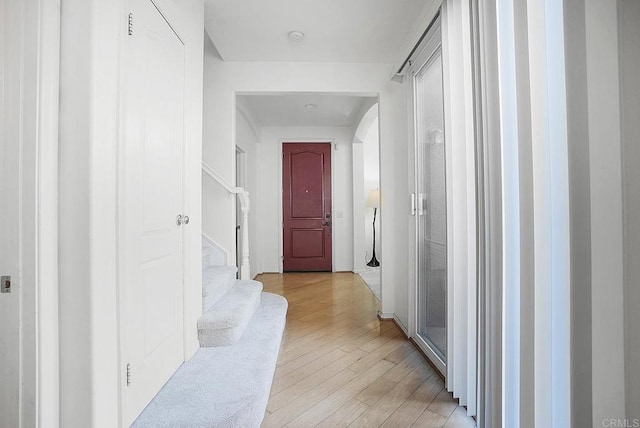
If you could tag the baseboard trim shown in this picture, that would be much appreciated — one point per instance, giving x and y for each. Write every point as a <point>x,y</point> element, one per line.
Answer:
<point>401,326</point>
<point>426,357</point>
<point>385,316</point>
<point>393,318</point>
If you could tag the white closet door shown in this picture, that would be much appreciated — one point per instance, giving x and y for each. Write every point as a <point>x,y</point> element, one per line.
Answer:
<point>151,198</point>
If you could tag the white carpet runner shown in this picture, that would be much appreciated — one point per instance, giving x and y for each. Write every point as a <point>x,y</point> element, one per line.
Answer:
<point>224,386</point>
<point>228,380</point>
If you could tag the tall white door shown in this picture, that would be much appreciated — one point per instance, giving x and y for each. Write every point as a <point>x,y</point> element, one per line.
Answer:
<point>432,209</point>
<point>151,198</point>
<point>431,296</point>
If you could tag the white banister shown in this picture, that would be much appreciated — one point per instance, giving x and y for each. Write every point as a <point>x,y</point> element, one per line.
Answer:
<point>243,198</point>
<point>245,272</point>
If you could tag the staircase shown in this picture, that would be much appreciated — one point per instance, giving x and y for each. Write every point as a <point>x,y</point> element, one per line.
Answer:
<point>227,382</point>
<point>227,304</point>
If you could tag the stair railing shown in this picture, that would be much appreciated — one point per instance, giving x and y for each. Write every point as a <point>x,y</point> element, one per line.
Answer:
<point>243,197</point>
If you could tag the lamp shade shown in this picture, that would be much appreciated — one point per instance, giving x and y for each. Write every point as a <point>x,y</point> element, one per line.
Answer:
<point>373,199</point>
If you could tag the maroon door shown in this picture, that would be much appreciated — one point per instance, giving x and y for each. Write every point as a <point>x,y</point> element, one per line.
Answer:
<point>306,199</point>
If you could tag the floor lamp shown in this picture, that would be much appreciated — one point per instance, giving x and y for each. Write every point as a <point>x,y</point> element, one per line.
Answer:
<point>373,201</point>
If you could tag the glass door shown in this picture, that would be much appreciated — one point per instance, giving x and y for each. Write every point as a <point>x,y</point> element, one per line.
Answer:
<point>431,327</point>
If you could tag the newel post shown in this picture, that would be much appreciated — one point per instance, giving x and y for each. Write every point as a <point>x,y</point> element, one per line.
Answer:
<point>245,269</point>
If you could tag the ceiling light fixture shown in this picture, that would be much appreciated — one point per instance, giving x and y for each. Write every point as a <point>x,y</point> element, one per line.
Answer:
<point>296,36</point>
<point>310,105</point>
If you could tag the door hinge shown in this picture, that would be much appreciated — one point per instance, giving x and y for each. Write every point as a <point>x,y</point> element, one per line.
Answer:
<point>128,374</point>
<point>131,24</point>
<point>5,284</point>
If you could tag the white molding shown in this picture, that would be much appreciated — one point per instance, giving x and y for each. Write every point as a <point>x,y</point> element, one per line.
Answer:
<point>47,353</point>
<point>400,324</point>
<point>386,315</point>
<point>30,125</point>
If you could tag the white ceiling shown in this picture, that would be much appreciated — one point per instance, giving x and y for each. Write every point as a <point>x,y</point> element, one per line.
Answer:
<point>365,31</point>
<point>289,109</point>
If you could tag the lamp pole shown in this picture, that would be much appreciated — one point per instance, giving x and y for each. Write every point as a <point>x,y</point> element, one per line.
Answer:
<point>374,261</point>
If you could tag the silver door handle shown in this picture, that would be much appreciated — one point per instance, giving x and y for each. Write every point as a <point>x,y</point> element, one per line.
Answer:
<point>185,219</point>
<point>182,219</point>
<point>413,204</point>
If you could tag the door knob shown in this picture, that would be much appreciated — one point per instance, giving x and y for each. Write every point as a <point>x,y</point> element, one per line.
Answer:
<point>182,219</point>
<point>185,219</point>
<point>327,223</point>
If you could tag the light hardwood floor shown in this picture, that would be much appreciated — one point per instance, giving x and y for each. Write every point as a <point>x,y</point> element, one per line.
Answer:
<point>339,365</point>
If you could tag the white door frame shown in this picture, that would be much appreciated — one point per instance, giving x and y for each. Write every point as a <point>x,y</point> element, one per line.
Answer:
<point>430,47</point>
<point>281,214</point>
<point>32,70</point>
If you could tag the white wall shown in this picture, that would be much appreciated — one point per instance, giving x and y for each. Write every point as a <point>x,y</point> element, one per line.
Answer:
<point>399,213</point>
<point>90,370</point>
<point>269,192</point>
<point>225,79</point>
<point>219,152</point>
<point>10,95</point>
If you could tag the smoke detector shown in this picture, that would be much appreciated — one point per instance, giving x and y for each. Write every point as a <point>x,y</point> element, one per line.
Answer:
<point>296,36</point>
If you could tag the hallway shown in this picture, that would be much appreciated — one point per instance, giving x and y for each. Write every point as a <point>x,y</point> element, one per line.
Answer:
<point>340,365</point>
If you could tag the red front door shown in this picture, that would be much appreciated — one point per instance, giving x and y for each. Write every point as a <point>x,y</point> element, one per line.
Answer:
<point>306,199</point>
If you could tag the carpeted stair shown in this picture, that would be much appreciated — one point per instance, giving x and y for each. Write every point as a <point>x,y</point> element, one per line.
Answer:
<point>223,322</point>
<point>227,382</point>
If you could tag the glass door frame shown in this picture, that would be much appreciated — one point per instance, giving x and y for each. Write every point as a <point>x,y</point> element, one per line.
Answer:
<point>430,47</point>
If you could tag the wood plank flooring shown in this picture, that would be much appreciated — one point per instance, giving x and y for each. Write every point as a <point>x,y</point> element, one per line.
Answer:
<point>339,365</point>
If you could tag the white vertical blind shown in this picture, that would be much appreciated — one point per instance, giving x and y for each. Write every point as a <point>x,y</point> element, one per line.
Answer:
<point>533,141</point>
<point>510,215</point>
<point>551,199</point>
<point>461,197</point>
